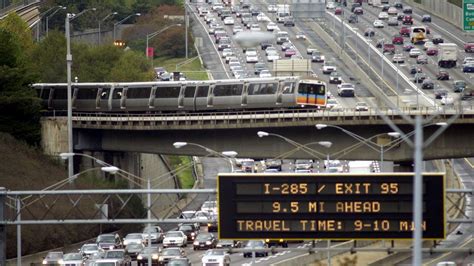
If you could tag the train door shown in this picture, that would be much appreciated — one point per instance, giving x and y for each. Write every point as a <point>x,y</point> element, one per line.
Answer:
<point>151,100</point>
<point>279,94</point>
<point>227,95</point>
<point>74,97</point>
<point>189,103</point>
<point>123,99</point>
<point>245,94</point>
<point>262,94</point>
<point>102,98</point>
<point>210,97</point>
<point>202,92</point>
<point>50,98</point>
<point>115,100</point>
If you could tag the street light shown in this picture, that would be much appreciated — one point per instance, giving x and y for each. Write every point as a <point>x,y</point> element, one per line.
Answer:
<point>47,18</point>
<point>225,154</point>
<point>310,151</point>
<point>123,20</point>
<point>154,34</point>
<point>102,20</point>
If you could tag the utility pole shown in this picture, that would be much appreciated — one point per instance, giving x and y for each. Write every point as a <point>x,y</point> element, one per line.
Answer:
<point>69,96</point>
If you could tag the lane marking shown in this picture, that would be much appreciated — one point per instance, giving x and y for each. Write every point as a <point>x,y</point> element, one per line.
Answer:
<point>469,162</point>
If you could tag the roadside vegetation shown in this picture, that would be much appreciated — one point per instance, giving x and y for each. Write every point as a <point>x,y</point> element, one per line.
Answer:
<point>185,176</point>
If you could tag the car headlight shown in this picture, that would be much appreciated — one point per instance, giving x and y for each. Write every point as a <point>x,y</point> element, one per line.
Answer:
<point>209,225</point>
<point>208,242</point>
<point>155,257</point>
<point>45,262</point>
<point>160,259</point>
<point>193,234</point>
<point>196,243</point>
<point>267,240</point>
<point>139,257</point>
<point>281,240</point>
<point>61,261</point>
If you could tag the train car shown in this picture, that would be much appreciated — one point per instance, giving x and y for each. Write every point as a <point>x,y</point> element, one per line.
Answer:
<point>186,96</point>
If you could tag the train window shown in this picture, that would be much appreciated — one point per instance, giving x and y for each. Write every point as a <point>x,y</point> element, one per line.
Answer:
<point>228,90</point>
<point>136,93</point>
<point>60,93</point>
<point>167,92</point>
<point>202,91</point>
<point>86,93</point>
<point>117,93</point>
<point>105,93</point>
<point>189,92</point>
<point>263,88</point>
<point>44,93</point>
<point>288,87</point>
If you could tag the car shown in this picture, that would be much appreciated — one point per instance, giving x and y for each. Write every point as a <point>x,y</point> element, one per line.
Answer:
<point>407,46</point>
<point>209,18</point>
<point>259,67</point>
<point>168,254</point>
<point>282,36</point>
<point>440,93</point>
<point>91,260</point>
<point>246,21</point>
<point>427,84</point>
<point>421,59</point>
<point>272,56</point>
<point>276,242</point>
<point>400,16</point>
<point>335,78</point>
<point>286,45</point>
<point>398,5</point>
<point>369,32</point>
<point>442,75</point>
<point>290,52</point>
<point>204,241</point>
<point>255,27</point>
<point>392,11</point>
<point>216,257</point>
<point>358,11</point>
<point>467,60</point>
<point>447,100</point>
<point>311,49</point>
<point>414,52</point>
<point>251,51</point>
<point>328,67</point>
<point>227,52</point>
<point>362,106</point>
<point>53,257</point>
<point>407,20</point>
<point>119,256</point>
<point>331,104</point>
<point>398,58</point>
<point>380,43</point>
<point>261,17</point>
<point>428,44</point>
<point>459,85</point>
<point>468,94</point>
<point>437,39</point>
<point>202,215</point>
<point>419,77</point>
<point>239,73</point>
<point>72,259</point>
<point>300,36</point>
<point>272,26</point>
<point>397,39</point>
<point>88,249</point>
<point>346,90</point>
<point>426,18</point>
<point>223,44</point>
<point>175,238</point>
<point>227,243</point>
<point>414,69</point>
<point>133,249</point>
<point>212,226</point>
<point>405,31</point>
<point>155,233</point>
<point>432,51</point>
<point>229,21</point>
<point>355,5</point>
<point>265,45</point>
<point>388,48</point>
<point>338,11</point>
<point>272,8</point>
<point>353,18</point>
<point>407,10</point>
<point>468,68</point>
<point>179,262</point>
<point>392,21</point>
<point>330,5</point>
<point>255,244</point>
<point>153,252</point>
<point>109,241</point>
<point>383,15</point>
<point>273,164</point>
<point>250,58</point>
<point>289,22</point>
<point>378,24</point>
<point>133,238</point>
<point>317,57</point>
<point>189,229</point>
<point>469,47</point>
<point>270,49</point>
<point>265,73</point>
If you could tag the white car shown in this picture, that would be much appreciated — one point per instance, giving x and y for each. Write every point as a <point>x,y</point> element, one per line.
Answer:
<point>414,52</point>
<point>229,21</point>
<point>209,206</point>
<point>270,49</point>
<point>237,29</point>
<point>398,58</point>
<point>392,11</point>
<point>234,64</point>
<point>272,8</point>
<point>447,100</point>
<point>265,73</point>
<point>468,61</point>
<point>216,257</point>
<point>383,15</point>
<point>272,26</point>
<point>362,106</point>
<point>331,104</point>
<point>378,24</point>
<point>311,50</point>
<point>251,59</point>
<point>328,68</point>
<point>262,17</point>
<point>230,58</point>
<point>201,215</point>
<point>254,27</point>
<point>227,52</point>
<point>300,35</point>
<point>346,90</point>
<point>428,45</point>
<point>251,51</point>
<point>136,238</point>
<point>273,56</point>
<point>331,5</point>
<point>175,239</point>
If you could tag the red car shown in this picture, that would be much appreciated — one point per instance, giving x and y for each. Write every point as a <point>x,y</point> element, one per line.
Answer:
<point>290,52</point>
<point>405,31</point>
<point>338,11</point>
<point>389,48</point>
<point>469,47</point>
<point>432,51</point>
<point>407,20</point>
<point>397,39</point>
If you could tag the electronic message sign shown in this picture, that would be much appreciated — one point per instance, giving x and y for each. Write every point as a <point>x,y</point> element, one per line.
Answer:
<point>327,206</point>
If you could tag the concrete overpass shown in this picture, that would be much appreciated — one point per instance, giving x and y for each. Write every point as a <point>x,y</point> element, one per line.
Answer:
<point>238,132</point>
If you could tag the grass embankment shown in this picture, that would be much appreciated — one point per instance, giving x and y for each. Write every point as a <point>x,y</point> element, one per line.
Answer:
<point>193,70</point>
<point>185,176</point>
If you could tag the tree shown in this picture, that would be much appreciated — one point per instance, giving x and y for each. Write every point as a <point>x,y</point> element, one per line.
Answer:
<point>132,66</point>
<point>170,43</point>
<point>94,63</point>
<point>50,58</point>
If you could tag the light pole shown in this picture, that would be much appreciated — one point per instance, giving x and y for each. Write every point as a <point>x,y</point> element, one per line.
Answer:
<point>154,34</point>
<point>306,149</point>
<point>102,20</point>
<point>229,155</point>
<point>47,18</point>
<point>123,20</point>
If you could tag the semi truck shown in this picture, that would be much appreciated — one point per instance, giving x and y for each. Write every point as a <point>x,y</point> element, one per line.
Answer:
<point>447,55</point>
<point>282,12</point>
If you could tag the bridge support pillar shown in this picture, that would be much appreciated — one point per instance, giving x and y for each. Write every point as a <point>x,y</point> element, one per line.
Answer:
<point>405,166</point>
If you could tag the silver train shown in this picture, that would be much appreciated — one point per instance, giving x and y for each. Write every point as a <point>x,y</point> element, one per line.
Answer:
<point>189,96</point>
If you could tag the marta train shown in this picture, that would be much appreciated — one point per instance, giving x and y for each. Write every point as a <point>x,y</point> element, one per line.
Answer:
<point>188,96</point>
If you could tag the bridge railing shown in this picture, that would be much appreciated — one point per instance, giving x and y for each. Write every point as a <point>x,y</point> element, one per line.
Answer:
<point>18,6</point>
